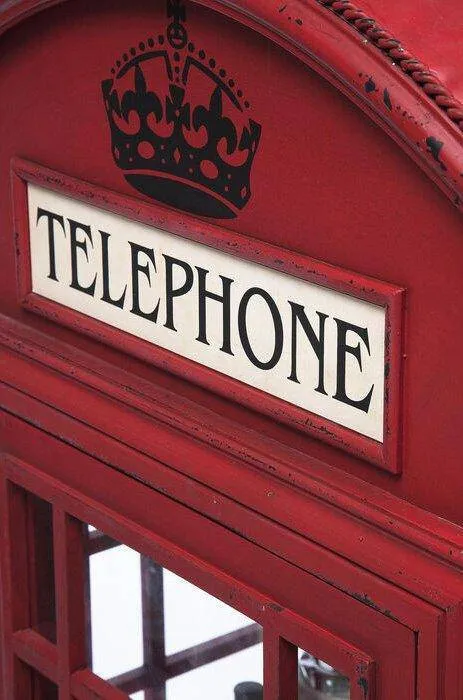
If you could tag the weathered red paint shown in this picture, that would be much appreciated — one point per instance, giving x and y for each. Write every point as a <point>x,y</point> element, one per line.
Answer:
<point>318,545</point>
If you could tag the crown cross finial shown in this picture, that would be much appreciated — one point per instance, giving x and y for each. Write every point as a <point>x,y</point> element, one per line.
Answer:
<point>176,32</point>
<point>176,10</point>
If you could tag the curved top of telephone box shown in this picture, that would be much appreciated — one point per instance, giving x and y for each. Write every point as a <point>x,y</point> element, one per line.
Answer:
<point>329,186</point>
<point>397,61</point>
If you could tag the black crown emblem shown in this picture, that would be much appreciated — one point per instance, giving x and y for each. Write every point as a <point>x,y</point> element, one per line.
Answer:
<point>179,130</point>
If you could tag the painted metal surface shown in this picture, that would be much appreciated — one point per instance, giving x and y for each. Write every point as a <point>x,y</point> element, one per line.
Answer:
<point>348,153</point>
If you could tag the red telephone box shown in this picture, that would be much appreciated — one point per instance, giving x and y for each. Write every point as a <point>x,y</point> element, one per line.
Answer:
<point>229,335</point>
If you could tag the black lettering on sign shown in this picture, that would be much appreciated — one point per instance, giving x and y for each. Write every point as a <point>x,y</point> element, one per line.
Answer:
<point>138,268</point>
<point>76,245</point>
<point>172,292</point>
<point>243,329</point>
<point>308,344</point>
<point>223,299</point>
<point>105,270</point>
<point>355,350</point>
<point>317,342</point>
<point>51,237</point>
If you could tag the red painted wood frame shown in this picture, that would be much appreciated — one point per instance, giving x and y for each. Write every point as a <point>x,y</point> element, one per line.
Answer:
<point>374,576</point>
<point>204,553</point>
<point>386,454</point>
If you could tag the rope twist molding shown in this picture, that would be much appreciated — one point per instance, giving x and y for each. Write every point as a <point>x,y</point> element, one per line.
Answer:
<point>394,49</point>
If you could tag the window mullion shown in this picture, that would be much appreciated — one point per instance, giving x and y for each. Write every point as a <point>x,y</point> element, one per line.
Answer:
<point>14,576</point>
<point>70,597</point>
<point>280,667</point>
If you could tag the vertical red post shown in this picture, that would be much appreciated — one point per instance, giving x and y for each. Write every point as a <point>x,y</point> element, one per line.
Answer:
<point>15,599</point>
<point>280,667</point>
<point>70,597</point>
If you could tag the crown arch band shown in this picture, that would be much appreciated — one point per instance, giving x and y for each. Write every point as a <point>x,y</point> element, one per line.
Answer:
<point>318,34</point>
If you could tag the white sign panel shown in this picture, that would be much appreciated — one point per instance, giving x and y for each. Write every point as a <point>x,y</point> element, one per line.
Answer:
<point>311,346</point>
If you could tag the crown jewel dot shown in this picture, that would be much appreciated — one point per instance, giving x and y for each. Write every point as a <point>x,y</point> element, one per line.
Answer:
<point>125,57</point>
<point>141,46</point>
<point>191,47</point>
<point>212,63</point>
<point>222,73</point>
<point>133,51</point>
<point>209,169</point>
<point>150,42</point>
<point>202,54</point>
<point>161,39</point>
<point>145,150</point>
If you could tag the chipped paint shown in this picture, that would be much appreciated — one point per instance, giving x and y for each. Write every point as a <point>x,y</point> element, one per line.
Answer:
<point>434,148</point>
<point>387,99</point>
<point>362,682</point>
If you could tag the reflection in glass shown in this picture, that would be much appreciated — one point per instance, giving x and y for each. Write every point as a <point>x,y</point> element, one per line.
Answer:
<point>155,635</point>
<point>319,681</point>
<point>217,680</point>
<point>116,618</point>
<point>207,617</point>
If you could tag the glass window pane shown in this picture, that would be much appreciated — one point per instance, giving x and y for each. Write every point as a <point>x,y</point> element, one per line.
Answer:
<point>218,680</point>
<point>153,631</point>
<point>319,681</point>
<point>115,605</point>
<point>207,618</point>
